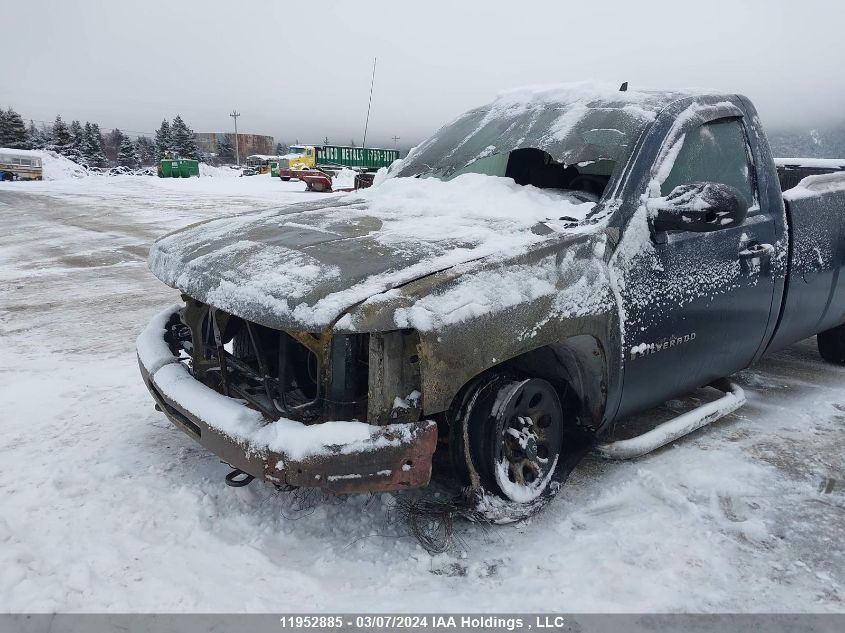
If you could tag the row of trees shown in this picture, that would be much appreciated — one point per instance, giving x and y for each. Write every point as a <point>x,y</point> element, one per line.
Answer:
<point>87,145</point>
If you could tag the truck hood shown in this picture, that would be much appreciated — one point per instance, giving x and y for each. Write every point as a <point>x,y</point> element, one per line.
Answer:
<point>303,266</point>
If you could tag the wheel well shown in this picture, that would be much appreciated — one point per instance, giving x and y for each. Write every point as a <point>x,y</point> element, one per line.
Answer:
<point>576,366</point>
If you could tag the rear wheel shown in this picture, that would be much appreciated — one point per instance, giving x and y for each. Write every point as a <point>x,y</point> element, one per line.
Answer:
<point>832,345</point>
<point>514,437</point>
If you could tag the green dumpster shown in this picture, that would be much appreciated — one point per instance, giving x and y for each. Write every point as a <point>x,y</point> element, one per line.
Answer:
<point>188,168</point>
<point>274,168</point>
<point>167,167</point>
<point>178,168</point>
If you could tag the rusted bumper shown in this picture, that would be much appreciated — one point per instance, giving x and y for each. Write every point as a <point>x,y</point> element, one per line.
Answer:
<point>383,458</point>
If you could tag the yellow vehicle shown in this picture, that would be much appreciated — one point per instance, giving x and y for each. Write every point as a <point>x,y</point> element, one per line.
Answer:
<point>301,157</point>
<point>20,165</point>
<point>261,163</point>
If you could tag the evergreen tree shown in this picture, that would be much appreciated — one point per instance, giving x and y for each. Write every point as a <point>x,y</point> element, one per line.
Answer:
<point>91,148</point>
<point>86,149</point>
<point>32,135</point>
<point>225,151</point>
<point>60,137</point>
<point>99,157</point>
<point>182,139</point>
<point>162,140</point>
<point>281,149</point>
<point>15,130</point>
<point>127,155</point>
<point>145,150</point>
<point>35,137</point>
<point>74,150</point>
<point>112,144</point>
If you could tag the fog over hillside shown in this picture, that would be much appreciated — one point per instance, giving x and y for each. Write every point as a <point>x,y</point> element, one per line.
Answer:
<point>821,142</point>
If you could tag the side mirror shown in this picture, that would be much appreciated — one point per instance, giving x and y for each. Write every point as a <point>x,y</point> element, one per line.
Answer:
<point>699,207</point>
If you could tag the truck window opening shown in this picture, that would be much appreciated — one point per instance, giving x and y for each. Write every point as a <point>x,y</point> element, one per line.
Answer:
<point>535,167</point>
<point>530,166</point>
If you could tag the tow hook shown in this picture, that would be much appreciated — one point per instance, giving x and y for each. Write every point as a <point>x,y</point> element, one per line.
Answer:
<point>238,479</point>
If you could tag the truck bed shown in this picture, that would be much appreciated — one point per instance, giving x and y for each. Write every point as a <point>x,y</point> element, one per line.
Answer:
<point>814,298</point>
<point>792,170</point>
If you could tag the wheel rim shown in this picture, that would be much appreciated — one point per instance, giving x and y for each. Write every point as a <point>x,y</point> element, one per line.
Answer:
<point>528,439</point>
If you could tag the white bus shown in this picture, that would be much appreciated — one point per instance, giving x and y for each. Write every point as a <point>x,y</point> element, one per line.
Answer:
<point>19,165</point>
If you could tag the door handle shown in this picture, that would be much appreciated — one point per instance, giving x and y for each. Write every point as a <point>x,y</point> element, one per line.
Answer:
<point>755,249</point>
<point>756,258</point>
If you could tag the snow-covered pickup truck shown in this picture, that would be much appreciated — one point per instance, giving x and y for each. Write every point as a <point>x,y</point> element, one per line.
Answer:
<point>540,267</point>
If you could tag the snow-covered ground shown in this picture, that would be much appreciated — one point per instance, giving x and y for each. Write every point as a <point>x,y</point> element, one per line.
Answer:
<point>107,507</point>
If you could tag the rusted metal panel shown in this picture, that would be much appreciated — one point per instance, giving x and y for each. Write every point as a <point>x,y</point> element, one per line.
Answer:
<point>393,371</point>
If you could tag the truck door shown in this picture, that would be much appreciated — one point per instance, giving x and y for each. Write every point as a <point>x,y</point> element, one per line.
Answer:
<point>697,305</point>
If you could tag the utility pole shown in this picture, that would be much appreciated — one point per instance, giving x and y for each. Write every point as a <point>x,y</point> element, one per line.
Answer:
<point>395,138</point>
<point>369,105</point>
<point>235,114</point>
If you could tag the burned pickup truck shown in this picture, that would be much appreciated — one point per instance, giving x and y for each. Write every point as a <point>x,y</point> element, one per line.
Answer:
<point>540,267</point>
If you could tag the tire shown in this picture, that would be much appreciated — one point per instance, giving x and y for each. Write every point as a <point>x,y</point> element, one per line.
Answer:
<point>832,345</point>
<point>286,179</point>
<point>513,432</point>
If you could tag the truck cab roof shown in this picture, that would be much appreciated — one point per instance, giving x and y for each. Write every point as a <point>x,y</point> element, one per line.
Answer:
<point>574,124</point>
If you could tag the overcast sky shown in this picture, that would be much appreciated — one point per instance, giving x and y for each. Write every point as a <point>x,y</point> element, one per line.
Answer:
<point>300,70</point>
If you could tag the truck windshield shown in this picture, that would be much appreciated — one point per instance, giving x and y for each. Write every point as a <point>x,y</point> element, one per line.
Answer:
<point>296,150</point>
<point>571,127</point>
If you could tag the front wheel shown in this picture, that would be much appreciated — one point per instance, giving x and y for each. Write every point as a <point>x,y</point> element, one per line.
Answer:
<point>285,178</point>
<point>832,345</point>
<point>514,437</point>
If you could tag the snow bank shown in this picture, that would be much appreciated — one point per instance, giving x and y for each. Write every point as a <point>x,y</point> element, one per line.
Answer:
<point>218,172</point>
<point>58,167</point>
<point>344,179</point>
<point>55,166</point>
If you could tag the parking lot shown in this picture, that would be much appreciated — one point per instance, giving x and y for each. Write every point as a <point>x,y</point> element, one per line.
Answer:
<point>106,507</point>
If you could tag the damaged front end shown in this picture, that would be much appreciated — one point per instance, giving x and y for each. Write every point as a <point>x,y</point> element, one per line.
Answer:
<point>286,406</point>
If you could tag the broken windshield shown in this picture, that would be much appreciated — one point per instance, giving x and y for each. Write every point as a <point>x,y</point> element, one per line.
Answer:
<point>570,125</point>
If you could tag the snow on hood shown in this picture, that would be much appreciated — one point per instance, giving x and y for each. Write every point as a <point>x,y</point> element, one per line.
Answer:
<point>303,266</point>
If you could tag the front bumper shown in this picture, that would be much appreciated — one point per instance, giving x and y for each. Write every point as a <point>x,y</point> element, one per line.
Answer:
<point>341,457</point>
